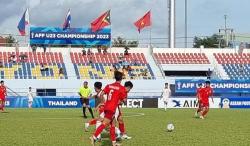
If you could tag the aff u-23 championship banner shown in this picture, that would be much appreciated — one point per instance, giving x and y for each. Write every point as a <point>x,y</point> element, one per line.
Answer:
<point>74,36</point>
<point>46,102</point>
<point>219,86</point>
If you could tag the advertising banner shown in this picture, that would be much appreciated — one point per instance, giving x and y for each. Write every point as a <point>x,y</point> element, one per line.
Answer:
<point>186,102</point>
<point>219,86</point>
<point>46,102</point>
<point>141,103</point>
<point>74,36</point>
<point>74,102</point>
<point>235,102</point>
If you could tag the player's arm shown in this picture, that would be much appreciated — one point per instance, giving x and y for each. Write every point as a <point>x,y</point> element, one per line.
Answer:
<point>98,106</point>
<point>162,92</point>
<point>80,95</point>
<point>211,95</point>
<point>197,95</point>
<point>5,91</point>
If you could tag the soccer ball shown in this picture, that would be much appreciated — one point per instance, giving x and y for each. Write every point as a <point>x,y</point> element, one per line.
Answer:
<point>170,127</point>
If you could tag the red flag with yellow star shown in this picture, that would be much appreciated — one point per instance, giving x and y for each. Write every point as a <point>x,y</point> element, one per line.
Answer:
<point>144,21</point>
<point>101,22</point>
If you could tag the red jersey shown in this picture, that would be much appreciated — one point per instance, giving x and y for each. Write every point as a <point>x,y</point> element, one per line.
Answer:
<point>115,93</point>
<point>2,92</point>
<point>205,93</point>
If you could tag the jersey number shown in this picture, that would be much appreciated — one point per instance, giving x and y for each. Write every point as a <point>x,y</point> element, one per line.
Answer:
<point>110,94</point>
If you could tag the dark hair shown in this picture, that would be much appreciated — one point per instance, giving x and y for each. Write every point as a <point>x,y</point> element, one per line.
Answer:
<point>207,82</point>
<point>128,84</point>
<point>118,75</point>
<point>200,84</point>
<point>2,81</point>
<point>98,85</point>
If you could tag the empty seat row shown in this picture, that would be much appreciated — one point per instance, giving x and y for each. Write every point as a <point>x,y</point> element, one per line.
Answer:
<point>232,58</point>
<point>181,58</point>
<point>32,57</point>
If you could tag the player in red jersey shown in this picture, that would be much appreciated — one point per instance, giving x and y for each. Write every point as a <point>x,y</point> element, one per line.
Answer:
<point>128,85</point>
<point>206,92</point>
<point>116,93</point>
<point>198,93</point>
<point>3,94</point>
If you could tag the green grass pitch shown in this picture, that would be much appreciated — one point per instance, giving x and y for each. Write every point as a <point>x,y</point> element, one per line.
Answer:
<point>64,127</point>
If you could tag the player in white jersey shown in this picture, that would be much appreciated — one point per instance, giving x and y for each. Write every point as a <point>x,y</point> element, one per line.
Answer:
<point>30,97</point>
<point>166,95</point>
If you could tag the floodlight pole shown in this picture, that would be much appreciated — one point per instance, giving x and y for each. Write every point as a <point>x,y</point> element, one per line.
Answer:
<point>185,23</point>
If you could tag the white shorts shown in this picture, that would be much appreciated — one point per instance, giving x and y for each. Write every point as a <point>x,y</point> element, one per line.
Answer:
<point>30,100</point>
<point>117,113</point>
<point>165,99</point>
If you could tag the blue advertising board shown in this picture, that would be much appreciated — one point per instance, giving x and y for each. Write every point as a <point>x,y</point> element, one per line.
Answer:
<point>74,36</point>
<point>235,102</point>
<point>46,102</point>
<point>219,86</point>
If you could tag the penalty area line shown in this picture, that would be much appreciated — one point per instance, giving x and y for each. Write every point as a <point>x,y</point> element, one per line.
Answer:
<point>133,115</point>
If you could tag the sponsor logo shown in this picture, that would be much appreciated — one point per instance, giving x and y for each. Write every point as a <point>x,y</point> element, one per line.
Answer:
<point>187,102</point>
<point>7,103</point>
<point>134,103</point>
<point>62,103</point>
<point>225,103</point>
<point>178,85</point>
<point>177,103</point>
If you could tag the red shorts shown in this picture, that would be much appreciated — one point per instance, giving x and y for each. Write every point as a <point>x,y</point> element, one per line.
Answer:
<point>109,115</point>
<point>2,98</point>
<point>204,104</point>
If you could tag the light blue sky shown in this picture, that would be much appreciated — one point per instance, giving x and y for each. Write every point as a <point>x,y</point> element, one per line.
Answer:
<point>205,17</point>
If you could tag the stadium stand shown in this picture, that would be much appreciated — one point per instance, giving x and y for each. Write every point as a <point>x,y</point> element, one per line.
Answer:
<point>237,66</point>
<point>181,58</point>
<point>101,66</point>
<point>29,65</point>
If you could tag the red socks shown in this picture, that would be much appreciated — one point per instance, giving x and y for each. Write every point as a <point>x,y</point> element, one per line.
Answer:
<point>122,128</point>
<point>112,133</point>
<point>92,122</point>
<point>99,130</point>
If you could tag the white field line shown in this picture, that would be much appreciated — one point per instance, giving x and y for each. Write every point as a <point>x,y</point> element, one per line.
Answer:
<point>128,116</point>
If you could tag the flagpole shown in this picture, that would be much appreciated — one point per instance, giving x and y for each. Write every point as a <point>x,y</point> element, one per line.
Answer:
<point>150,39</point>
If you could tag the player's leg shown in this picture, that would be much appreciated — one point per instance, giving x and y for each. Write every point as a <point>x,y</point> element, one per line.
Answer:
<point>205,111</point>
<point>99,130</point>
<point>106,121</point>
<point>84,107</point>
<point>112,134</point>
<point>91,122</point>
<point>1,104</point>
<point>198,109</point>
<point>203,108</point>
<point>30,104</point>
<point>118,133</point>
<point>99,122</point>
<point>90,109</point>
<point>165,105</point>
<point>122,125</point>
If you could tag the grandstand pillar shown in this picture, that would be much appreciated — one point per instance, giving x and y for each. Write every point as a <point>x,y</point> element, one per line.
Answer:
<point>171,28</point>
